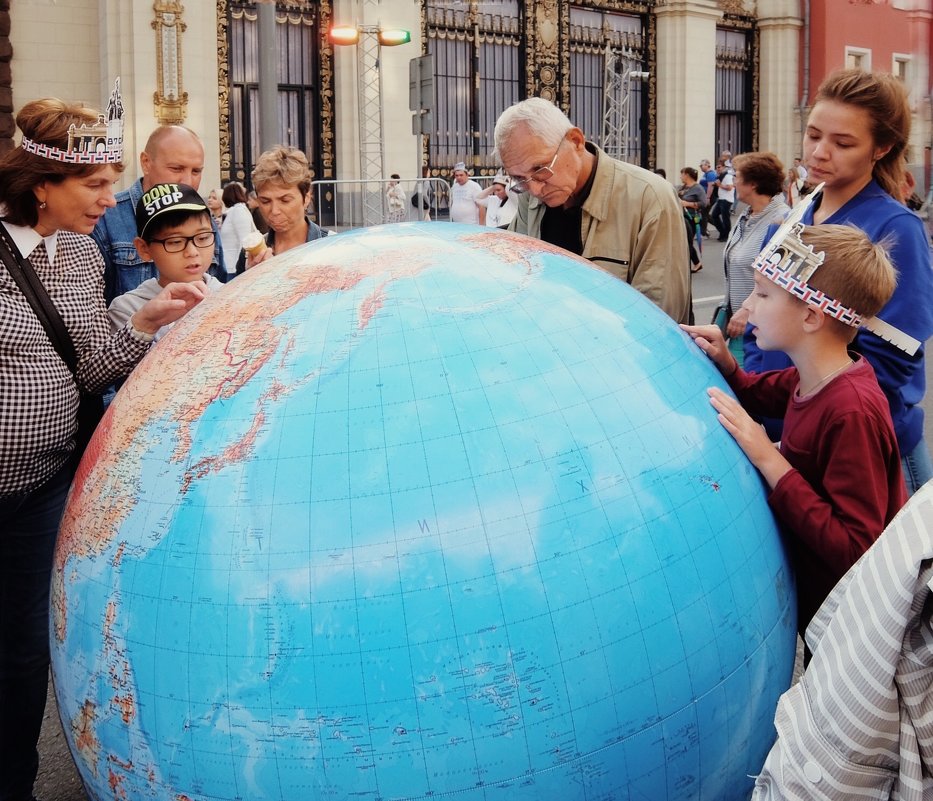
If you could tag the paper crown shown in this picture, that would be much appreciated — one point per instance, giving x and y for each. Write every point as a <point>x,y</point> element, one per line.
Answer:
<point>790,264</point>
<point>100,143</point>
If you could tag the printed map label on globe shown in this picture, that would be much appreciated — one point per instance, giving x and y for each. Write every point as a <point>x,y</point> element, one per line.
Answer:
<point>420,511</point>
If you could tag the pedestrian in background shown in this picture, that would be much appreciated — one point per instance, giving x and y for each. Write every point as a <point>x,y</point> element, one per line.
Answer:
<point>395,200</point>
<point>758,178</point>
<point>237,225</point>
<point>463,193</point>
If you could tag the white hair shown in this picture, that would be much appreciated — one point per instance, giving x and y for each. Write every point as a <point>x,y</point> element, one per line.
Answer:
<point>540,118</point>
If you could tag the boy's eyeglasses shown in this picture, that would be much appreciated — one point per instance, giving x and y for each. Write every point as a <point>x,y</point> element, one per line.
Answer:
<point>540,176</point>
<point>176,244</point>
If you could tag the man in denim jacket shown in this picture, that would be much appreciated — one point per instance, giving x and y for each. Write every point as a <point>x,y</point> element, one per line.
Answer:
<point>173,154</point>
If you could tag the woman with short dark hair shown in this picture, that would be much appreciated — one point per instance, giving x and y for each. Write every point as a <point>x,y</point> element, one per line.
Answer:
<point>693,201</point>
<point>237,225</point>
<point>759,183</point>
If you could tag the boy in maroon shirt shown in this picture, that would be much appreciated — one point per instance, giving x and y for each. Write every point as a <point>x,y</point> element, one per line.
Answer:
<point>836,480</point>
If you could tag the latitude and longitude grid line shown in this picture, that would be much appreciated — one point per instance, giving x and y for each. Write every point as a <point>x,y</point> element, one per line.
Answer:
<point>500,441</point>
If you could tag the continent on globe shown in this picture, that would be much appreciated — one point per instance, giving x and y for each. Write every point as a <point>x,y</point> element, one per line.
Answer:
<point>420,511</point>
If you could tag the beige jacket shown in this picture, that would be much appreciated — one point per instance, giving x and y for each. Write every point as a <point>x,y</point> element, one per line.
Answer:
<point>633,227</point>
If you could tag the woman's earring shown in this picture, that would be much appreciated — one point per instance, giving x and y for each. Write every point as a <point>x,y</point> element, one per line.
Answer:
<point>42,205</point>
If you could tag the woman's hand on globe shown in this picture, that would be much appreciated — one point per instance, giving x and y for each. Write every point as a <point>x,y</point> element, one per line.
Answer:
<point>736,326</point>
<point>173,302</point>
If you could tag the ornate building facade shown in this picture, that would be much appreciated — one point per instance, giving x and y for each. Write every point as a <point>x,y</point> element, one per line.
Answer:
<point>658,82</point>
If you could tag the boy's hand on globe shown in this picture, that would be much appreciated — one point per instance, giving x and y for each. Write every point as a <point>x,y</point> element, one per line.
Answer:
<point>173,302</point>
<point>750,436</point>
<point>710,340</point>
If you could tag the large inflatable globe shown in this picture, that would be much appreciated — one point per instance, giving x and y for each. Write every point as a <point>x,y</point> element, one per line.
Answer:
<point>420,512</point>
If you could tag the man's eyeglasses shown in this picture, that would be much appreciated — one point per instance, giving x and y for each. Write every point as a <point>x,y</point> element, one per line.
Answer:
<point>540,176</point>
<point>176,244</point>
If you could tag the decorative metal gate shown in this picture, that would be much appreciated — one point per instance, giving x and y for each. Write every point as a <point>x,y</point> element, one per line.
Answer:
<point>477,75</point>
<point>736,89</point>
<point>608,67</point>
<point>305,116</point>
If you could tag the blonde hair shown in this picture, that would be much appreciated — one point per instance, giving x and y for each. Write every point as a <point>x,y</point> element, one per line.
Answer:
<point>283,165</point>
<point>855,271</point>
<point>45,121</point>
<point>884,99</point>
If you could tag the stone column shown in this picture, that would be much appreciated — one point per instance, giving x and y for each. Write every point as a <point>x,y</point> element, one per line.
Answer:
<point>686,83</point>
<point>7,125</point>
<point>921,96</point>
<point>780,128</point>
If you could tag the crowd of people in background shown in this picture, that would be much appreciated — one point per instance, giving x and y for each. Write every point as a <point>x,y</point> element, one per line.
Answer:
<point>134,267</point>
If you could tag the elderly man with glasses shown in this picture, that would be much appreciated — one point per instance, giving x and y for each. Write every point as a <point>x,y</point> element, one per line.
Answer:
<point>621,217</point>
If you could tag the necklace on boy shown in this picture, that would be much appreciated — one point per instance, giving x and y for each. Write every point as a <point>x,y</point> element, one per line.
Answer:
<point>825,379</point>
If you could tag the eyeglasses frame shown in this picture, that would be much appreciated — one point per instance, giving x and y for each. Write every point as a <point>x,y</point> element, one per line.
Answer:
<point>187,239</point>
<point>520,186</point>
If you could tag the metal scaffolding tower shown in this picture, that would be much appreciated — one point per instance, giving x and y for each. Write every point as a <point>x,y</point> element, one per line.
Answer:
<point>372,147</point>
<point>618,72</point>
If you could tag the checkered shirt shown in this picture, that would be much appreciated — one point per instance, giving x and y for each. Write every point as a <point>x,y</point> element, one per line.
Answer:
<point>38,394</point>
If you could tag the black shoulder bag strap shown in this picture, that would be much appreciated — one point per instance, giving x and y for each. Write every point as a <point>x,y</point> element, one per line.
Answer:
<point>34,291</point>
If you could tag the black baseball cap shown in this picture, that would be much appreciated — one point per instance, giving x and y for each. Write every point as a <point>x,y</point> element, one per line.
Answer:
<point>163,198</point>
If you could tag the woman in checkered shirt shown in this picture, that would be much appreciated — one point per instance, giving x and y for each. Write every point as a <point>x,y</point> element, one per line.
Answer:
<point>53,190</point>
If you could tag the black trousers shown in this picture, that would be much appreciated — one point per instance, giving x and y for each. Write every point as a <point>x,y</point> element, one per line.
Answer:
<point>28,530</point>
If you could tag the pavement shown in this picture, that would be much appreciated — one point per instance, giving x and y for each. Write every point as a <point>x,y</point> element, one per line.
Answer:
<point>58,779</point>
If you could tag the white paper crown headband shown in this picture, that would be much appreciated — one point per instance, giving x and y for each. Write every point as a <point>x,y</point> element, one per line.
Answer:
<point>790,263</point>
<point>100,143</point>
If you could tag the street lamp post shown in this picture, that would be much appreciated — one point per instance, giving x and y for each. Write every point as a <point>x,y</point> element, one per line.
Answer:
<point>370,40</point>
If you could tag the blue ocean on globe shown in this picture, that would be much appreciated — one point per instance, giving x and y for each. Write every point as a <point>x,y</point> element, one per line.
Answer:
<point>420,511</point>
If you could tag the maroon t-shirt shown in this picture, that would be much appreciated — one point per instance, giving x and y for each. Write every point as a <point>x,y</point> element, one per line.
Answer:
<point>846,484</point>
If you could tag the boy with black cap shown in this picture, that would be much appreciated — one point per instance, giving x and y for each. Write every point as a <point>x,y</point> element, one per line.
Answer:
<point>175,233</point>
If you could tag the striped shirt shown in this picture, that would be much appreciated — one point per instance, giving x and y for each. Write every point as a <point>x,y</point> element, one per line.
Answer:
<point>38,394</point>
<point>859,724</point>
<point>745,242</point>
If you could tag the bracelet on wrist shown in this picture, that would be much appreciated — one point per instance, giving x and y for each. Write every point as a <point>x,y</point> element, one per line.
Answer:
<point>140,336</point>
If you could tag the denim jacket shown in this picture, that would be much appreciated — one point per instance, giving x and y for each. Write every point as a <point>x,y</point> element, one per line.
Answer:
<point>114,234</point>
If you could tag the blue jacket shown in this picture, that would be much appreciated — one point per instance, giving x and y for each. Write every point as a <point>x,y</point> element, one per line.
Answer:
<point>114,233</point>
<point>910,309</point>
